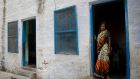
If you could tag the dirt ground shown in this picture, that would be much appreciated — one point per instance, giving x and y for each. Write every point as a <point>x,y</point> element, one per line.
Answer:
<point>5,75</point>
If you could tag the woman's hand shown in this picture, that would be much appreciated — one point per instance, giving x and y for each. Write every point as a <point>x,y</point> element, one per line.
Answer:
<point>110,50</point>
<point>94,37</point>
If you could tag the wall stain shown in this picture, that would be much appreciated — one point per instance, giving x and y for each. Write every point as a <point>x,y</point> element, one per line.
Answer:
<point>3,35</point>
<point>45,63</point>
<point>41,6</point>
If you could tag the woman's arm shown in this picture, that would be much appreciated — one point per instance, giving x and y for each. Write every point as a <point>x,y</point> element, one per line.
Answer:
<point>109,43</point>
<point>95,37</point>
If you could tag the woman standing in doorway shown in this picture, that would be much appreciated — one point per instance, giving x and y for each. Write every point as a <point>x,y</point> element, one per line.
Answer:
<point>103,51</point>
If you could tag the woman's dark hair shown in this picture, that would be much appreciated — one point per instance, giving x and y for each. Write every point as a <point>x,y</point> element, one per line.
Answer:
<point>103,22</point>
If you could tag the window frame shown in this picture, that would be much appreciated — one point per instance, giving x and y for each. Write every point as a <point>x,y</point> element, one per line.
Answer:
<point>12,36</point>
<point>67,31</point>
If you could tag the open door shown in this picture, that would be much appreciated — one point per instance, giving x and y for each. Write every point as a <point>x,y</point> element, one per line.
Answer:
<point>29,43</point>
<point>113,13</point>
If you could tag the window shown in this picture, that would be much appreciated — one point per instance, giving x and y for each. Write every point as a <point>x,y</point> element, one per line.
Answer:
<point>13,37</point>
<point>66,31</point>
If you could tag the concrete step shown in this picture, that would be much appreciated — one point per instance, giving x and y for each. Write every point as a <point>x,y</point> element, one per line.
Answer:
<point>7,75</point>
<point>27,72</point>
<point>29,68</point>
<point>22,73</point>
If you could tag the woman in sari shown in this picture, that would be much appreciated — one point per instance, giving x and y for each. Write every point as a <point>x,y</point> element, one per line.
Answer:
<point>103,51</point>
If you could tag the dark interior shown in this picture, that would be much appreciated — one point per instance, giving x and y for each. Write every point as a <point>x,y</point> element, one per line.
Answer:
<point>32,42</point>
<point>113,14</point>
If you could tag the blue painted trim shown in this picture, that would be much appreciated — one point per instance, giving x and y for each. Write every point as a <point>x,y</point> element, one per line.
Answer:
<point>91,38</point>
<point>76,30</point>
<point>23,43</point>
<point>127,40</point>
<point>54,32</point>
<point>66,30</point>
<point>17,38</point>
<point>8,37</point>
<point>16,50</point>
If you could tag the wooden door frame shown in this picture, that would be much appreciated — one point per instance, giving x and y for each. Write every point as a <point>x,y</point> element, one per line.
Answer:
<point>24,62</point>
<point>126,41</point>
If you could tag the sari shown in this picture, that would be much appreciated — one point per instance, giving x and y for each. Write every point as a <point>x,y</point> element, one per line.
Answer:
<point>103,50</point>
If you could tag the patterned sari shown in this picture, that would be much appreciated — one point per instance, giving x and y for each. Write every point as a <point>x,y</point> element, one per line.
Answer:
<point>103,50</point>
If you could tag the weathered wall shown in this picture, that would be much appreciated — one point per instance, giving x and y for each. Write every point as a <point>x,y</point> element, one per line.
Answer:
<point>1,20</point>
<point>60,66</point>
<point>134,30</point>
<point>17,10</point>
<point>63,66</point>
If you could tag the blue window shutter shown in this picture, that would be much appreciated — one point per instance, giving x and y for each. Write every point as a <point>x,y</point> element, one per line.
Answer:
<point>66,39</point>
<point>13,37</point>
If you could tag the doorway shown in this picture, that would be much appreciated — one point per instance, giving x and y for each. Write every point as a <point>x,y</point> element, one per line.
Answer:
<point>113,13</point>
<point>29,43</point>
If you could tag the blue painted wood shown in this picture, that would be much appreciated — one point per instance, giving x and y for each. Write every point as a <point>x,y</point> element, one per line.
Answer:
<point>65,31</point>
<point>17,37</point>
<point>13,33</point>
<point>54,32</point>
<point>23,43</point>
<point>91,38</point>
<point>127,40</point>
<point>67,24</point>
<point>23,47</point>
<point>76,22</point>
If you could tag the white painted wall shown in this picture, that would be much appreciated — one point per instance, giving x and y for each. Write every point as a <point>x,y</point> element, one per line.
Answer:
<point>1,21</point>
<point>63,66</point>
<point>134,31</point>
<point>17,10</point>
<point>59,66</point>
<point>73,65</point>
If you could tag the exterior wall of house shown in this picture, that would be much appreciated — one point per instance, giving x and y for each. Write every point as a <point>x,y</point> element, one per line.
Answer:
<point>60,66</point>
<point>1,21</point>
<point>134,30</point>
<point>63,66</point>
<point>17,10</point>
<point>74,66</point>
